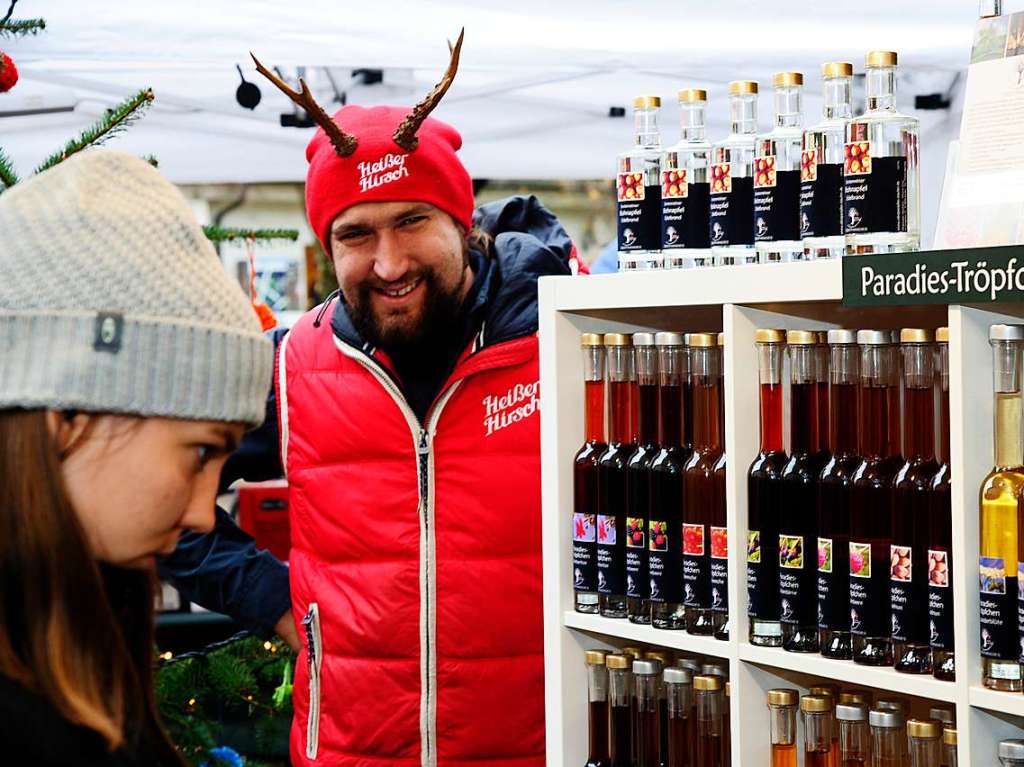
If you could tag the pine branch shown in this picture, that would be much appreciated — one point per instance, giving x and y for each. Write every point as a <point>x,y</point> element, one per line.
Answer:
<point>229,234</point>
<point>20,27</point>
<point>113,123</point>
<point>8,177</point>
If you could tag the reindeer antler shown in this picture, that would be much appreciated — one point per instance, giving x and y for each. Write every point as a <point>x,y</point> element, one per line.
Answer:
<point>344,143</point>
<point>405,136</point>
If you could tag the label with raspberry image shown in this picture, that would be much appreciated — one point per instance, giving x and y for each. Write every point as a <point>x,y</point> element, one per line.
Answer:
<point>869,591</point>
<point>636,558</point>
<point>824,555</point>
<point>665,563</point>
<point>777,207</point>
<point>997,610</point>
<point>611,556</point>
<point>696,568</point>
<point>635,532</point>
<point>684,218</point>
<point>731,210</point>
<point>874,191</point>
<point>639,212</point>
<point>673,184</point>
<point>940,601</point>
<point>584,554</point>
<point>833,585</point>
<point>821,202</point>
<point>693,540</point>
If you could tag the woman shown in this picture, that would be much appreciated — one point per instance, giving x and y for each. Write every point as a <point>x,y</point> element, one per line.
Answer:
<point>129,366</point>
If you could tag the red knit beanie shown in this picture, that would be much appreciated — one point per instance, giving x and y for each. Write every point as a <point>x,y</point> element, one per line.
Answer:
<point>381,171</point>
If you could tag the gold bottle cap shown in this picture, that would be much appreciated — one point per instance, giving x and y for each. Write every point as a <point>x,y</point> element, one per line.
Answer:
<point>837,69</point>
<point>783,696</point>
<point>707,682</point>
<point>737,87</point>
<point>591,339</point>
<point>821,689</point>
<point>595,657</point>
<point>924,728</point>
<point>787,79</point>
<point>881,59</point>
<point>633,652</point>
<point>721,339</point>
<point>916,336</point>
<point>769,336</point>
<point>647,102</point>
<point>728,689</point>
<point>702,339</point>
<point>617,661</point>
<point>949,736</point>
<point>617,339</point>
<point>691,95</point>
<point>852,698</point>
<point>942,335</point>
<point>816,704</point>
<point>663,657</point>
<point>799,337</point>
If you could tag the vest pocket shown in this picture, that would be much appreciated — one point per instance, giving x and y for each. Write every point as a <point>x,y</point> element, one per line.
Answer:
<point>314,659</point>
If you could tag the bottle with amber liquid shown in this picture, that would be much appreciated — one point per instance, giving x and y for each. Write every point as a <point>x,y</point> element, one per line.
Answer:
<point>646,704</point>
<point>703,492</point>
<point>908,560</point>
<point>830,692</point>
<point>709,693</point>
<point>679,694</point>
<point>888,738</point>
<point>940,537</point>
<point>998,580</point>
<point>835,493</point>
<point>719,532</point>
<point>665,538</point>
<point>871,513</point>
<point>949,744</point>
<point>782,704</point>
<point>798,525</point>
<point>817,716</point>
<point>638,471</point>
<point>620,707</point>
<point>925,739</point>
<point>597,695</point>
<point>585,480</point>
<point>613,498</point>
<point>854,736</point>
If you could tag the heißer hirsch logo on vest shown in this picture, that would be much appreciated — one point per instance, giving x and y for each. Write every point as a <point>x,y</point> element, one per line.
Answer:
<point>388,168</point>
<point>519,402</point>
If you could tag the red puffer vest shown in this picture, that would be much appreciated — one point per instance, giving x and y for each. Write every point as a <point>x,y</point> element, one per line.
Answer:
<point>416,559</point>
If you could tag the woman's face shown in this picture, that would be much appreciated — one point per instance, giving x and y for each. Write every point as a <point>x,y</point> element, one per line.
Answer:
<point>136,483</point>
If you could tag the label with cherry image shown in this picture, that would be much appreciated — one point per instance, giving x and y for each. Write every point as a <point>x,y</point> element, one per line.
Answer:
<point>684,211</point>
<point>821,197</point>
<point>940,600</point>
<point>869,591</point>
<point>696,570</point>
<point>906,606</point>
<point>776,202</point>
<point>998,613</point>
<point>874,191</point>
<point>639,213</point>
<point>732,207</point>
<point>636,558</point>
<point>611,556</point>
<point>584,556</point>
<point>665,564</point>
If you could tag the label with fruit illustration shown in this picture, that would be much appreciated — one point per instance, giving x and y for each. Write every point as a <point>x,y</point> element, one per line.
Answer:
<point>999,632</point>
<point>611,556</point>
<point>809,165</point>
<point>776,202</point>
<point>940,602</point>
<point>905,597</point>
<point>869,592</point>
<point>639,212</point>
<point>821,196</point>
<point>833,605</point>
<point>732,207</point>
<point>762,579</point>
<point>673,184</point>
<point>684,211</point>
<point>753,546</point>
<point>636,558</point>
<point>665,563</point>
<point>874,191</point>
<point>824,555</point>
<point>719,569</point>
<point>791,551</point>
<point>696,568</point>
<point>584,556</point>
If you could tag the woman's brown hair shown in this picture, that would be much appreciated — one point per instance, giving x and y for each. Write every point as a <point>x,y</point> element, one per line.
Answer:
<point>76,633</point>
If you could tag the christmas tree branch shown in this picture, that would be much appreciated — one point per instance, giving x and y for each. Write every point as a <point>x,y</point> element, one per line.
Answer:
<point>113,122</point>
<point>8,177</point>
<point>19,27</point>
<point>228,234</point>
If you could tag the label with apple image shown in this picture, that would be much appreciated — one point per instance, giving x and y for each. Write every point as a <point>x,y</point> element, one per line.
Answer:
<point>776,202</point>
<point>940,600</point>
<point>696,570</point>
<point>636,558</point>
<point>732,207</point>
<point>821,197</point>
<point>665,564</point>
<point>874,191</point>
<point>720,569</point>
<point>639,213</point>
<point>684,211</point>
<point>907,606</point>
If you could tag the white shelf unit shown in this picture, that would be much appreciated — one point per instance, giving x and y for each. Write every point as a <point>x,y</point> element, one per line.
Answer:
<point>736,301</point>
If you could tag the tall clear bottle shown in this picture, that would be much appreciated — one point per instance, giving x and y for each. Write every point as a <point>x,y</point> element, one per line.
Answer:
<point>681,723</point>
<point>777,176</point>
<point>764,500</point>
<point>881,184</point>
<point>854,736</point>
<point>638,479</point>
<point>647,705</point>
<point>888,738</point>
<point>940,538</point>
<point>709,748</point>
<point>821,166</point>
<point>911,524</point>
<point>925,740</point>
<point>782,705</point>
<point>597,720</point>
<point>949,744</point>
<point>1000,651</point>
<point>732,180</point>
<point>620,710</point>
<point>835,496</point>
<point>638,191</point>
<point>718,528</point>
<point>818,728</point>
<point>685,188</point>
<point>585,480</point>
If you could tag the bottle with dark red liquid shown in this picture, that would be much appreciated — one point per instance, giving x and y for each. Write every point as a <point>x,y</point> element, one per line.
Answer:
<point>613,498</point>
<point>620,710</point>
<point>818,729</point>
<point>597,695</point>
<point>911,523</point>
<point>679,692</point>
<point>710,732</point>
<point>665,540</point>
<point>822,359</point>
<point>940,539</point>
<point>585,481</point>
<point>835,495</point>
<point>871,512</point>
<point>665,659</point>
<point>764,502</point>
<point>703,494</point>
<point>647,705</point>
<point>719,530</point>
<point>639,479</point>
<point>687,395</point>
<point>798,525</point>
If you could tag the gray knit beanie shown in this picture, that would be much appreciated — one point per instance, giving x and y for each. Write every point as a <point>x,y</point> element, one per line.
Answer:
<point>113,300</point>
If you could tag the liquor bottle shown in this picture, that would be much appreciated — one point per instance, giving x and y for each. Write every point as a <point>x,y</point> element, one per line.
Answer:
<point>925,737</point>
<point>822,361</point>
<point>911,525</point>
<point>888,738</point>
<point>646,704</point>
<point>638,188</point>
<point>727,726</point>
<point>732,181</point>
<point>940,537</point>
<point>638,479</point>
<point>614,497</point>
<point>998,566</point>
<point>665,539</point>
<point>782,704</point>
<point>710,734</point>
<point>597,694</point>
<point>798,525</point>
<point>871,513</point>
<point>835,495</point>
<point>620,707</point>
<point>663,657</point>
<point>1011,753</point>
<point>585,481</point>
<point>718,530</point>
<point>714,668</point>
<point>881,203</point>
<point>777,176</point>
<point>818,727</point>
<point>764,496</point>
<point>831,692</point>
<point>687,395</point>
<point>702,495</point>
<point>685,190</point>
<point>949,743</point>
<point>821,166</point>
<point>946,718</point>
<point>681,725</point>
<point>854,737</point>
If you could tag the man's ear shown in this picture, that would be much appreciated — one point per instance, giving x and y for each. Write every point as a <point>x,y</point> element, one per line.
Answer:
<point>68,430</point>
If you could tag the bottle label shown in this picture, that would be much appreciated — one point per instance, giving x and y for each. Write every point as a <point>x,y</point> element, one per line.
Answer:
<point>611,557</point>
<point>906,607</point>
<point>762,579</point>
<point>1020,608</point>
<point>665,563</point>
<point>997,612</point>
<point>684,211</point>
<point>874,191</point>
<point>776,202</point>
<point>636,558</point>
<point>639,212</point>
<point>720,569</point>
<point>821,196</point>
<point>869,593</point>
<point>825,607</point>
<point>940,600</point>
<point>797,582</point>
<point>584,559</point>
<point>696,571</point>
<point>732,207</point>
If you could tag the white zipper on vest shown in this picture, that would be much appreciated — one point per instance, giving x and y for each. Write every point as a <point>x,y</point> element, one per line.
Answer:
<point>423,441</point>
<point>314,661</point>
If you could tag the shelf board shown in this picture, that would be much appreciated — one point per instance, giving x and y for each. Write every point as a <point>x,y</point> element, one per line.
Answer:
<point>847,671</point>
<point>1000,702</point>
<point>623,629</point>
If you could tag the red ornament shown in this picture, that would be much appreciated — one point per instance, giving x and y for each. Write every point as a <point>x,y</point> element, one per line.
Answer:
<point>8,73</point>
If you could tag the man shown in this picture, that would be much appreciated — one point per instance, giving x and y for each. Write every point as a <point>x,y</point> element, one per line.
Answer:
<point>409,433</point>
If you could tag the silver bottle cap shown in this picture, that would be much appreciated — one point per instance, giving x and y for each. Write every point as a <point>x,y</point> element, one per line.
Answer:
<point>678,675</point>
<point>942,714</point>
<point>669,339</point>
<point>689,664</point>
<point>1011,749</point>
<point>852,712</point>
<point>643,339</point>
<point>838,336</point>
<point>646,667</point>
<point>874,337</point>
<point>885,718</point>
<point>1006,333</point>
<point>714,669</point>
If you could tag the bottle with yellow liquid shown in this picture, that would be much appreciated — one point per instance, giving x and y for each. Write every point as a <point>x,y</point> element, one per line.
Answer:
<point>1000,651</point>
